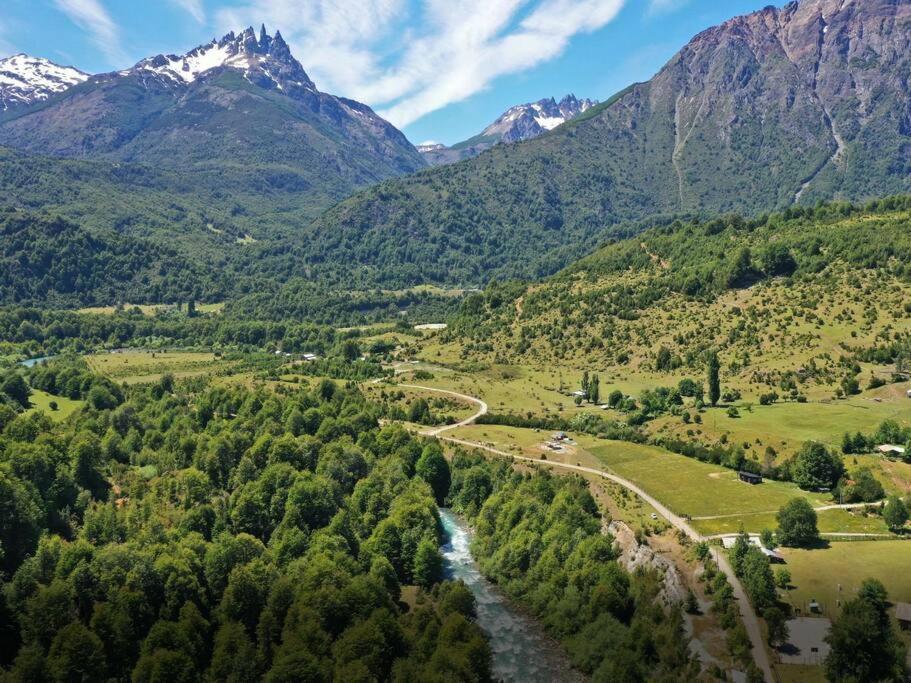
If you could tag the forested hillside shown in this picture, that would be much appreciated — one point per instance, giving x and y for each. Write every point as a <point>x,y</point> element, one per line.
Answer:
<point>54,261</point>
<point>190,532</point>
<point>788,299</point>
<point>779,107</point>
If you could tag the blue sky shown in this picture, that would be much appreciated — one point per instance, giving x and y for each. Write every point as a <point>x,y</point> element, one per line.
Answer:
<point>439,69</point>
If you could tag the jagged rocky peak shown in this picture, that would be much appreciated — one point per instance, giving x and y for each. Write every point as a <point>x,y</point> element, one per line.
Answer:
<point>526,121</point>
<point>265,60</point>
<point>25,80</point>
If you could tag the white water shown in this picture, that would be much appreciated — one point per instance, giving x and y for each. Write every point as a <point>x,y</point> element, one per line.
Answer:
<point>521,651</point>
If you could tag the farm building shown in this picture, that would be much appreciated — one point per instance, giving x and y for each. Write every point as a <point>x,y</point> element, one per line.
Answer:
<point>891,449</point>
<point>750,477</point>
<point>903,614</point>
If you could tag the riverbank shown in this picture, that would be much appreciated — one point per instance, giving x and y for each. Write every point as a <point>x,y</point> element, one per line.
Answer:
<point>522,651</point>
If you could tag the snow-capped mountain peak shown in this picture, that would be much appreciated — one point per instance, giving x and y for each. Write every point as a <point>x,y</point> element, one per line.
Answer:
<point>25,79</point>
<point>264,60</point>
<point>525,121</point>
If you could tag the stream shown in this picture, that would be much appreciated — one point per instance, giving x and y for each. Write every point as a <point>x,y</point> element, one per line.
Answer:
<point>522,652</point>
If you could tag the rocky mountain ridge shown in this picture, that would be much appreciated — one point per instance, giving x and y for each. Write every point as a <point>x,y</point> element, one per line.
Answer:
<point>241,106</point>
<point>25,80</point>
<point>521,122</point>
<point>807,102</point>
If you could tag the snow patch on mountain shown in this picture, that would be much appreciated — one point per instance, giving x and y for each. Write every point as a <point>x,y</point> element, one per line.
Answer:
<point>526,121</point>
<point>25,79</point>
<point>267,56</point>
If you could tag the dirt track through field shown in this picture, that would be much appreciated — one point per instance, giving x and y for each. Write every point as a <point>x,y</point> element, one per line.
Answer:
<point>748,614</point>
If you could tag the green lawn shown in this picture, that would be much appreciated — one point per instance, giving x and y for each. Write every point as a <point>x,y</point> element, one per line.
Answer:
<point>688,486</point>
<point>817,574</point>
<point>41,400</point>
<point>829,522</point>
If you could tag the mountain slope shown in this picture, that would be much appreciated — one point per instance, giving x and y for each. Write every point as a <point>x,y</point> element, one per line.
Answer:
<point>25,80</point>
<point>242,105</point>
<point>799,103</point>
<point>785,299</point>
<point>522,122</point>
<point>53,261</point>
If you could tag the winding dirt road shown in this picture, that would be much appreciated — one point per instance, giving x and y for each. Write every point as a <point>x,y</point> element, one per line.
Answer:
<point>750,620</point>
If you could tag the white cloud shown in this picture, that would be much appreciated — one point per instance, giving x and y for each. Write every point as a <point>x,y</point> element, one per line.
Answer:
<point>407,60</point>
<point>194,8</point>
<point>91,16</point>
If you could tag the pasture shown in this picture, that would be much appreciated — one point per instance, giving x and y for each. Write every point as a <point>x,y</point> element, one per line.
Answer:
<point>135,367</point>
<point>835,573</point>
<point>41,401</point>
<point>785,426</point>
<point>149,309</point>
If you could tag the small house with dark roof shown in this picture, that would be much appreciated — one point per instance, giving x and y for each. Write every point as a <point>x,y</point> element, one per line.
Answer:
<point>750,477</point>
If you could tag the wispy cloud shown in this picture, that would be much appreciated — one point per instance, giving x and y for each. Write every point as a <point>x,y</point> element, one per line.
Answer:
<point>409,59</point>
<point>194,8</point>
<point>91,16</point>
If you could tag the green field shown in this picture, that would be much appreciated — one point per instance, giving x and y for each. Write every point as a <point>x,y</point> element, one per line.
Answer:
<point>817,574</point>
<point>828,521</point>
<point>690,487</point>
<point>785,426</point>
<point>685,485</point>
<point>41,400</point>
<point>150,309</point>
<point>135,367</point>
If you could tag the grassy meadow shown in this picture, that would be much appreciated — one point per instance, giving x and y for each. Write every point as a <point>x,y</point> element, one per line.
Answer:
<point>41,401</point>
<point>135,367</point>
<point>818,574</point>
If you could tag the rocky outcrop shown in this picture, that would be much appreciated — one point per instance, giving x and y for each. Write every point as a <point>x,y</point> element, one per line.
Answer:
<point>635,555</point>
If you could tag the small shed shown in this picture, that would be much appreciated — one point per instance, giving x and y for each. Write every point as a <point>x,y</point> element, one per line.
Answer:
<point>891,449</point>
<point>903,614</point>
<point>750,477</point>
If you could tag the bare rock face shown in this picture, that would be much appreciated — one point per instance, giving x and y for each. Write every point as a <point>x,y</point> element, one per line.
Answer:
<point>634,555</point>
<point>807,101</point>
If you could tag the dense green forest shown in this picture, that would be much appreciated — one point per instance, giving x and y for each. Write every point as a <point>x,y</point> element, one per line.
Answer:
<point>191,531</point>
<point>55,262</point>
<point>199,530</point>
